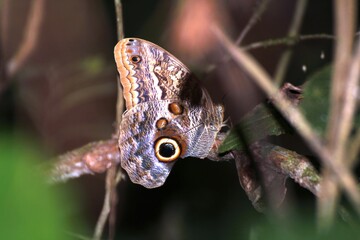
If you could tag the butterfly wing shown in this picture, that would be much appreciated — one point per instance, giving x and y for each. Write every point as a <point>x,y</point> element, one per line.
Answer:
<point>150,73</point>
<point>168,114</point>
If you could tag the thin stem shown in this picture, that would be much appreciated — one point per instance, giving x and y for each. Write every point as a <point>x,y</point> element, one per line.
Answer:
<point>293,115</point>
<point>119,19</point>
<point>342,106</point>
<point>253,20</point>
<point>349,109</point>
<point>293,31</point>
<point>30,38</point>
<point>120,34</point>
<point>113,201</point>
<point>354,149</point>
<point>100,225</point>
<point>95,157</point>
<point>112,176</point>
<point>287,41</point>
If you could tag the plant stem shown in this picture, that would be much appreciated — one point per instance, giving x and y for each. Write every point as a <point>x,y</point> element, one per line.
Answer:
<point>287,41</point>
<point>30,37</point>
<point>254,18</point>
<point>113,175</point>
<point>293,115</point>
<point>293,31</point>
<point>100,225</point>
<point>342,106</point>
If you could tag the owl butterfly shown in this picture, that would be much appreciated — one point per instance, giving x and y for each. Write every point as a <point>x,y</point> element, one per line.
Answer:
<point>168,115</point>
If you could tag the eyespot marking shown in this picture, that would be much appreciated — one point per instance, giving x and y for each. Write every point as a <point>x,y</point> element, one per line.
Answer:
<point>175,108</point>
<point>136,59</point>
<point>167,149</point>
<point>161,123</point>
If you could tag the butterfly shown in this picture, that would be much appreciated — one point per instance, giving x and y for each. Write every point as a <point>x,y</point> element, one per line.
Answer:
<point>168,115</point>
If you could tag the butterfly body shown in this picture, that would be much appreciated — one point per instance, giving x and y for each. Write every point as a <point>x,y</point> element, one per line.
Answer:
<point>168,115</point>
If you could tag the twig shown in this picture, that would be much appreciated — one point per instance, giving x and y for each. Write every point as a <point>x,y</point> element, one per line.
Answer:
<point>113,176</point>
<point>95,157</point>
<point>266,173</point>
<point>100,225</point>
<point>254,18</point>
<point>120,33</point>
<point>119,19</point>
<point>293,115</point>
<point>342,105</point>
<point>30,38</point>
<point>287,41</point>
<point>350,96</point>
<point>292,164</point>
<point>77,236</point>
<point>115,180</point>
<point>293,31</point>
<point>354,149</point>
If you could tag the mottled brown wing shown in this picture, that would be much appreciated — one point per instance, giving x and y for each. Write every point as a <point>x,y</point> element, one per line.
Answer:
<point>150,73</point>
<point>169,115</point>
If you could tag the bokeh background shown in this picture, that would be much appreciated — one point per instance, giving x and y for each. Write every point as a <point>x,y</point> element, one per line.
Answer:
<point>62,95</point>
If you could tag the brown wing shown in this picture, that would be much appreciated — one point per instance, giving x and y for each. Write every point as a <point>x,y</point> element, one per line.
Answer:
<point>150,73</point>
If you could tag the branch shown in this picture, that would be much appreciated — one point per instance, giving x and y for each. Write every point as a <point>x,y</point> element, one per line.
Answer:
<point>95,157</point>
<point>30,38</point>
<point>354,148</point>
<point>287,41</point>
<point>293,31</point>
<point>252,21</point>
<point>293,115</point>
<point>273,164</point>
<point>112,178</point>
<point>342,104</point>
<point>119,19</point>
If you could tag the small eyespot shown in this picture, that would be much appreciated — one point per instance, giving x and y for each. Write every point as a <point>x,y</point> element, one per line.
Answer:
<point>131,40</point>
<point>136,59</point>
<point>167,149</point>
<point>175,108</point>
<point>161,123</point>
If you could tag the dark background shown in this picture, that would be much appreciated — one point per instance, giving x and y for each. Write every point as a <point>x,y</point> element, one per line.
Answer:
<point>64,96</point>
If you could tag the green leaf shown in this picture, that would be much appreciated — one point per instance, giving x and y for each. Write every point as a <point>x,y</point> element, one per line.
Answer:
<point>29,208</point>
<point>261,122</point>
<point>264,121</point>
<point>315,103</point>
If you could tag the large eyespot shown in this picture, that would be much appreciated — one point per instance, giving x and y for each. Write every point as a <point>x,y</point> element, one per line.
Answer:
<point>136,59</point>
<point>167,149</point>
